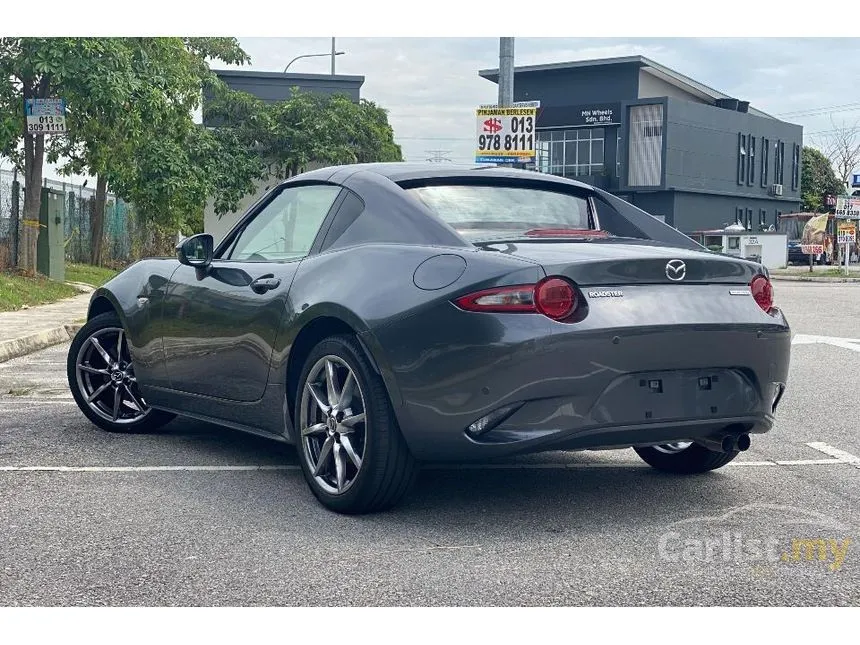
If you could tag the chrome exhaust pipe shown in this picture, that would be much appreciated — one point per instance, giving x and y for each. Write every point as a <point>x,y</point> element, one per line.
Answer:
<point>742,442</point>
<point>718,444</point>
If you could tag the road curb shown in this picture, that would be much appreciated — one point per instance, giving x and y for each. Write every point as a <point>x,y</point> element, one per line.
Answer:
<point>795,278</point>
<point>18,347</point>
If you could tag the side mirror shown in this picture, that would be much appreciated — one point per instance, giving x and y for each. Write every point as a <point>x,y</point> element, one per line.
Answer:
<point>196,251</point>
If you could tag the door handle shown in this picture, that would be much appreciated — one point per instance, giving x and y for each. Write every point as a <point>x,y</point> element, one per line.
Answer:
<point>264,284</point>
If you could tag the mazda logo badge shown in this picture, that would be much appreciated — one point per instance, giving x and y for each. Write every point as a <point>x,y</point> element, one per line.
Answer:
<point>676,270</point>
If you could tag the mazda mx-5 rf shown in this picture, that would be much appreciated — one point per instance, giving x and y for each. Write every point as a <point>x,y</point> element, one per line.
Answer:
<point>382,315</point>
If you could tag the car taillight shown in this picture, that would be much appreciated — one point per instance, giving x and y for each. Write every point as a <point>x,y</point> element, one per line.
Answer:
<point>552,297</point>
<point>555,298</point>
<point>762,292</point>
<point>501,300</point>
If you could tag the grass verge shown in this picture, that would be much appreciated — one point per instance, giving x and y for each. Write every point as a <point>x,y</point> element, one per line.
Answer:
<point>18,290</point>
<point>95,276</point>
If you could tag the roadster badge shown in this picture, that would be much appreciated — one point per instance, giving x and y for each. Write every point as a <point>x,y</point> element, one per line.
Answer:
<point>606,293</point>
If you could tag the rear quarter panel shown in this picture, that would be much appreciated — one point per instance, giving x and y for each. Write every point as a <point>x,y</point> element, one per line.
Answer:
<point>372,287</point>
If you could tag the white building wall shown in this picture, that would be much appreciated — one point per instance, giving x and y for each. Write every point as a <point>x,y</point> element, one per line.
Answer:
<point>652,87</point>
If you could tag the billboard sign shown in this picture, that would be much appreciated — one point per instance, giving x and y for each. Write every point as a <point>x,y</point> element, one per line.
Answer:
<point>505,135</point>
<point>846,233</point>
<point>814,233</point>
<point>45,116</point>
<point>848,207</point>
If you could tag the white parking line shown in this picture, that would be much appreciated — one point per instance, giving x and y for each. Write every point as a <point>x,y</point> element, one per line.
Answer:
<point>138,469</point>
<point>839,455</point>
<point>809,339</point>
<point>839,461</point>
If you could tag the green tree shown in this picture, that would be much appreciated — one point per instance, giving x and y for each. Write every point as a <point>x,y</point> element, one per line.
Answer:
<point>289,135</point>
<point>79,70</point>
<point>167,79</point>
<point>817,179</point>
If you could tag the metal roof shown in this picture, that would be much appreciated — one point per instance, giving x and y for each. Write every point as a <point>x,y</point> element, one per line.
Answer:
<point>652,67</point>
<point>248,73</point>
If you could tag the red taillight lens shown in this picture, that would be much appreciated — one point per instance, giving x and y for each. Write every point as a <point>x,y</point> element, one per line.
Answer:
<point>552,297</point>
<point>555,298</point>
<point>762,292</point>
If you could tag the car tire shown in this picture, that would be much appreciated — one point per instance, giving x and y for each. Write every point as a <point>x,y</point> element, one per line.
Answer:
<point>356,428</point>
<point>103,383</point>
<point>687,461</point>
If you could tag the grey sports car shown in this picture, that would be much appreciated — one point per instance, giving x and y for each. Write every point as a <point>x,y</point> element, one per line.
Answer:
<point>382,315</point>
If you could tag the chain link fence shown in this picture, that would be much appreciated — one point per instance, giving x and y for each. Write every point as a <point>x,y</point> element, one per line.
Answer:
<point>125,238</point>
<point>11,198</point>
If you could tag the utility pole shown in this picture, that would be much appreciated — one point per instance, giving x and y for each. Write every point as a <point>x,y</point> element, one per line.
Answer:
<point>506,72</point>
<point>333,54</point>
<point>506,77</point>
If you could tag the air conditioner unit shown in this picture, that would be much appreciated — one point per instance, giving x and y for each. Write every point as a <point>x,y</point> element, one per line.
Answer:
<point>776,189</point>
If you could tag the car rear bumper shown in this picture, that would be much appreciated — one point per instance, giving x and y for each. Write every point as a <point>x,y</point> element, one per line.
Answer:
<point>587,389</point>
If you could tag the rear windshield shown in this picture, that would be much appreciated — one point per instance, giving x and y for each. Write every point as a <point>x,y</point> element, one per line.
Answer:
<point>485,212</point>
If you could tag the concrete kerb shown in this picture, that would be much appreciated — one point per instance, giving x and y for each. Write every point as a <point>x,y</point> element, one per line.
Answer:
<point>17,347</point>
<point>54,324</point>
<point>796,278</point>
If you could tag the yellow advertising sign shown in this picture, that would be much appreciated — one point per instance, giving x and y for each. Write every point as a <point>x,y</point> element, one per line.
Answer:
<point>846,233</point>
<point>505,134</point>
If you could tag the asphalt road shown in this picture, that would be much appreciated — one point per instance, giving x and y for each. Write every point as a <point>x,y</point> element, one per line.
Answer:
<point>591,528</point>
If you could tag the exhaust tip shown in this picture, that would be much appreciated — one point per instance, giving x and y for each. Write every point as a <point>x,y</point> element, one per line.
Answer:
<point>728,444</point>
<point>743,442</point>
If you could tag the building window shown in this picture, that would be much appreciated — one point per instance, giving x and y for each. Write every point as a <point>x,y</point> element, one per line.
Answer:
<point>776,219</point>
<point>748,221</point>
<point>765,153</point>
<point>739,216</point>
<point>571,153</point>
<point>776,162</point>
<point>779,162</point>
<point>782,162</point>
<point>734,242</point>
<point>742,158</point>
<point>795,167</point>
<point>762,217</point>
<point>751,164</point>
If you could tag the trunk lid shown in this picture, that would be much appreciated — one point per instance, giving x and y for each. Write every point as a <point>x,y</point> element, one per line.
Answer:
<point>616,261</point>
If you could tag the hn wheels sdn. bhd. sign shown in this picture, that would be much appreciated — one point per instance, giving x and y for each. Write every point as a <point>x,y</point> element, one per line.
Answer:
<point>506,134</point>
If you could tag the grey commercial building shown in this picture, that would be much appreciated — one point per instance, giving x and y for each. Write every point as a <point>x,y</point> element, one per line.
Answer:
<point>272,87</point>
<point>678,149</point>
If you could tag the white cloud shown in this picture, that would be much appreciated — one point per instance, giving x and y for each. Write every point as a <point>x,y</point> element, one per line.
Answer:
<point>431,85</point>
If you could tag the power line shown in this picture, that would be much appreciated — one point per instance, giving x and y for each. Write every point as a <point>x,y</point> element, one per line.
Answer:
<point>845,107</point>
<point>438,156</point>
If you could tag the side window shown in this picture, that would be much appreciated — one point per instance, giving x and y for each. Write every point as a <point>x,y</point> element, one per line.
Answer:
<point>286,228</point>
<point>350,208</point>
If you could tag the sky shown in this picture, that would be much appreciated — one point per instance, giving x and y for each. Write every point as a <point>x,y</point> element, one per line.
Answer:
<point>431,87</point>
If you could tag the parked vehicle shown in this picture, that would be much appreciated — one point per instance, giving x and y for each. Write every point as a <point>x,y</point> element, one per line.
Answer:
<point>380,316</point>
<point>793,224</point>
